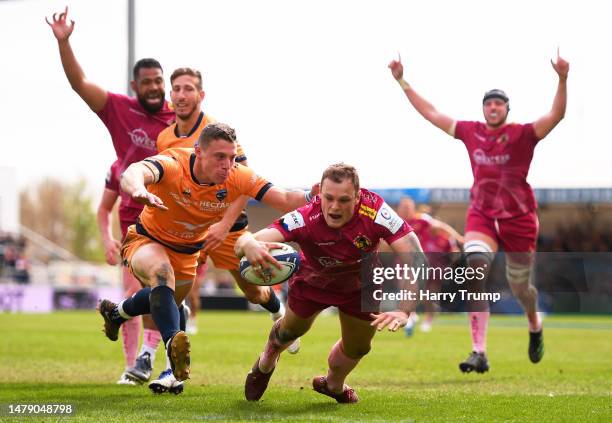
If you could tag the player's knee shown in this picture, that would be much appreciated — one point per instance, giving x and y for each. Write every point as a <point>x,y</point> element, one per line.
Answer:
<point>356,351</point>
<point>518,276</point>
<point>478,254</point>
<point>286,335</point>
<point>162,275</point>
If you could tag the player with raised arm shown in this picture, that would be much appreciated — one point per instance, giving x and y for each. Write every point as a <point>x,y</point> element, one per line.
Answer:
<point>185,191</point>
<point>502,206</point>
<point>134,124</point>
<point>334,231</point>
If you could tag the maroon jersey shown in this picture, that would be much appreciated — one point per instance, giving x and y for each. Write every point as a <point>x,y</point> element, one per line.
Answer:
<point>332,258</point>
<point>129,210</point>
<point>500,160</point>
<point>133,130</point>
<point>431,242</point>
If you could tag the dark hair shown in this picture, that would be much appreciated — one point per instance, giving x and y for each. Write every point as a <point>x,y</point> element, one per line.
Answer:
<point>187,71</point>
<point>146,63</point>
<point>216,131</point>
<point>338,172</point>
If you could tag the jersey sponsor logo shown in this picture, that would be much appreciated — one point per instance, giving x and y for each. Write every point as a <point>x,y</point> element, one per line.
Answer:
<point>388,218</point>
<point>293,220</point>
<point>329,261</point>
<point>480,158</point>
<point>367,211</point>
<point>140,138</point>
<point>185,202</point>
<point>212,205</point>
<point>314,216</point>
<point>221,194</point>
<point>325,243</point>
<point>191,226</point>
<point>362,242</point>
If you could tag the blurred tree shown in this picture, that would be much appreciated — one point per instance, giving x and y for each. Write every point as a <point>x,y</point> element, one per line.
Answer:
<point>64,214</point>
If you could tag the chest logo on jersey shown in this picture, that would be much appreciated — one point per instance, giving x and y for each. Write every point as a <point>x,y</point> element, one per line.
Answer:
<point>481,158</point>
<point>140,138</point>
<point>186,192</point>
<point>329,261</point>
<point>367,211</point>
<point>221,194</point>
<point>362,242</point>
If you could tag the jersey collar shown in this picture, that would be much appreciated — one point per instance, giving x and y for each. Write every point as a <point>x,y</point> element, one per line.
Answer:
<point>192,130</point>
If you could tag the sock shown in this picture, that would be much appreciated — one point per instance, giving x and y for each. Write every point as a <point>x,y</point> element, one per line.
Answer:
<point>535,321</point>
<point>273,305</point>
<point>273,349</point>
<point>130,331</point>
<point>339,367</point>
<point>479,321</point>
<point>168,365</point>
<point>165,312</point>
<point>150,342</point>
<point>183,315</point>
<point>137,305</point>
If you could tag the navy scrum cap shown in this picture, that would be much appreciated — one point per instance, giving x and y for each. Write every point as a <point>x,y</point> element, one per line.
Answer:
<point>495,93</point>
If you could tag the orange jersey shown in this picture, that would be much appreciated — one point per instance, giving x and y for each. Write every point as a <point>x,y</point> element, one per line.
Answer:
<point>169,138</point>
<point>192,207</point>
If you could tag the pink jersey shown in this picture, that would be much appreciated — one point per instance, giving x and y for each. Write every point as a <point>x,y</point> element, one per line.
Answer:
<point>332,258</point>
<point>129,210</point>
<point>431,242</point>
<point>133,130</point>
<point>500,162</point>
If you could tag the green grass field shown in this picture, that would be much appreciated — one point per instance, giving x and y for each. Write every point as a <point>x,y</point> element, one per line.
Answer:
<point>64,358</point>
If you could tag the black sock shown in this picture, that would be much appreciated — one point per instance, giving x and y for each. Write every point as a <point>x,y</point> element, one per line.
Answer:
<point>273,304</point>
<point>138,304</point>
<point>183,317</point>
<point>164,311</point>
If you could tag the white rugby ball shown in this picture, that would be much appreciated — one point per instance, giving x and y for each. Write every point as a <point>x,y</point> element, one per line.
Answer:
<point>287,257</point>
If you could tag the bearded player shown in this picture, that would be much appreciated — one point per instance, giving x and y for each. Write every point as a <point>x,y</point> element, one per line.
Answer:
<point>502,212</point>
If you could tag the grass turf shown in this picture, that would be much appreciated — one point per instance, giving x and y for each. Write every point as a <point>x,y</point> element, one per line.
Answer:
<point>64,358</point>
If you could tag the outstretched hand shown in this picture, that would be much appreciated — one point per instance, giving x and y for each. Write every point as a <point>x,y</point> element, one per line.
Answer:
<point>561,66</point>
<point>397,69</point>
<point>59,25</point>
<point>145,197</point>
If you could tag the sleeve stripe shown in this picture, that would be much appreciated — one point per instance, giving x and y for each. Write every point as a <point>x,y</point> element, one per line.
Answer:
<point>263,191</point>
<point>159,167</point>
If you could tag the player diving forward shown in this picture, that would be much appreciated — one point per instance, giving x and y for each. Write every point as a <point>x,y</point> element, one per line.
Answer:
<point>185,191</point>
<point>502,203</point>
<point>335,230</point>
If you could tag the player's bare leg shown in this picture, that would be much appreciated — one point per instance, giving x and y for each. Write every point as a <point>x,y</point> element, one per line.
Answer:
<point>266,297</point>
<point>479,249</point>
<point>344,356</point>
<point>283,333</point>
<point>518,273</point>
<point>151,265</point>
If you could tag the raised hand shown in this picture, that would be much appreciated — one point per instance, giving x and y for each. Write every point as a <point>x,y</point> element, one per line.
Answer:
<point>59,25</point>
<point>397,69</point>
<point>561,66</point>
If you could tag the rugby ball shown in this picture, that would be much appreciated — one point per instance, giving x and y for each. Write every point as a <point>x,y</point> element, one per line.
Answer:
<point>287,257</point>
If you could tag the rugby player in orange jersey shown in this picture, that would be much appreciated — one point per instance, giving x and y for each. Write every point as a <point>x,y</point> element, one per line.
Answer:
<point>184,191</point>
